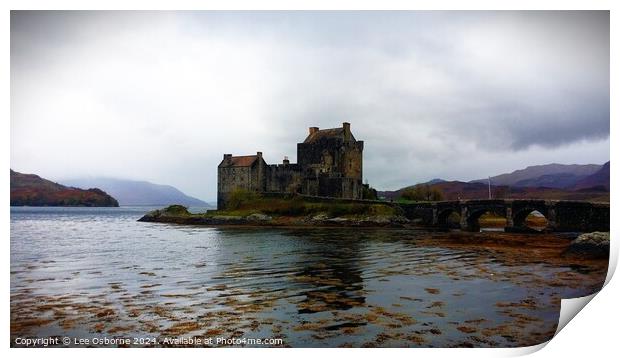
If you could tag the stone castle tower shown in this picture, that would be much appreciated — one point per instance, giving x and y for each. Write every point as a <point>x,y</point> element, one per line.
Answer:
<point>329,164</point>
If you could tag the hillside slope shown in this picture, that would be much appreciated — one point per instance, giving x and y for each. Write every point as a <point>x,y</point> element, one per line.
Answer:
<point>32,190</point>
<point>600,179</point>
<point>132,192</point>
<point>457,190</point>
<point>552,182</point>
<point>548,175</point>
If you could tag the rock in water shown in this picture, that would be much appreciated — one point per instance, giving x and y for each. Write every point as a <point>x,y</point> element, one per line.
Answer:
<point>258,217</point>
<point>590,245</point>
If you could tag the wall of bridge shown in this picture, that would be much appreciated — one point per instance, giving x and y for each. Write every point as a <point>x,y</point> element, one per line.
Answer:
<point>562,216</point>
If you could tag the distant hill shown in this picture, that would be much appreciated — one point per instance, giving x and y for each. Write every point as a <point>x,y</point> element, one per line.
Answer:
<point>553,182</point>
<point>131,192</point>
<point>435,181</point>
<point>559,180</point>
<point>600,179</point>
<point>455,190</point>
<point>32,190</point>
<point>549,175</point>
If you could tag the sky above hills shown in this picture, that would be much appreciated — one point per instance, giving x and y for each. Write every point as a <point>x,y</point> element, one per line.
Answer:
<point>160,96</point>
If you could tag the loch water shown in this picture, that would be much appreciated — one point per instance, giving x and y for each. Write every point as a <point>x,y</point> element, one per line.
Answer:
<point>98,272</point>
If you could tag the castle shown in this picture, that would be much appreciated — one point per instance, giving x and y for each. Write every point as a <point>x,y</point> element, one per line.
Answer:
<point>329,164</point>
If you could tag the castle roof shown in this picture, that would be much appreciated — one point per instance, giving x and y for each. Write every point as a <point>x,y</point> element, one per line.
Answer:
<point>240,161</point>
<point>325,133</point>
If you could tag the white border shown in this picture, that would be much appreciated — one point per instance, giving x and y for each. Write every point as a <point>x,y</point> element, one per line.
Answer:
<point>592,332</point>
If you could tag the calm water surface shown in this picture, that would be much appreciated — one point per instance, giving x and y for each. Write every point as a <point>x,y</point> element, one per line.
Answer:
<point>95,272</point>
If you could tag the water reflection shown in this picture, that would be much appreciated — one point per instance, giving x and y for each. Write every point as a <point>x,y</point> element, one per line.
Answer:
<point>329,273</point>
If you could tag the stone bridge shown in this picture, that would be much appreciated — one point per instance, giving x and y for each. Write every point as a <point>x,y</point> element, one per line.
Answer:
<point>561,215</point>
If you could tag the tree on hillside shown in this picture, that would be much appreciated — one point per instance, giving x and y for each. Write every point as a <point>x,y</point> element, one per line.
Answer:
<point>501,192</point>
<point>369,193</point>
<point>422,193</point>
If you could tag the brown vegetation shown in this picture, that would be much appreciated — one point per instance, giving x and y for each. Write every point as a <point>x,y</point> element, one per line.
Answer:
<point>457,190</point>
<point>32,190</point>
<point>243,202</point>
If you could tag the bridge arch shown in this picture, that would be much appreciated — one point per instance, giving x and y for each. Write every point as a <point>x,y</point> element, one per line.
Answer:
<point>473,217</point>
<point>520,216</point>
<point>449,218</point>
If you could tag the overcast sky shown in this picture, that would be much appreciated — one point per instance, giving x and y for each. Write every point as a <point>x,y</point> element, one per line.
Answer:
<point>160,96</point>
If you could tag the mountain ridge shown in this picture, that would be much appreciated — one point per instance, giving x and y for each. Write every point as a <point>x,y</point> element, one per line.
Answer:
<point>599,179</point>
<point>552,175</point>
<point>557,185</point>
<point>139,192</point>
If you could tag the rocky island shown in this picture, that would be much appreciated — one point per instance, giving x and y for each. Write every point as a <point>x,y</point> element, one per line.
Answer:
<point>256,210</point>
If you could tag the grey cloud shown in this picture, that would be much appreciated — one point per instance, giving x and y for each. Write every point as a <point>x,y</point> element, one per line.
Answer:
<point>166,93</point>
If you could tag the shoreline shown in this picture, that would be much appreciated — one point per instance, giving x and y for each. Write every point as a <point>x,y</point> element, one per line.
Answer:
<point>280,222</point>
<point>176,214</point>
<point>580,245</point>
<point>256,220</point>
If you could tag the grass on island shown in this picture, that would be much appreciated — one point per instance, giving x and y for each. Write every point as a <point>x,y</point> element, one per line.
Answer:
<point>244,203</point>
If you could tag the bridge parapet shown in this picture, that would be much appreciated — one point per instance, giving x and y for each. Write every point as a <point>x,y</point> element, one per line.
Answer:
<point>579,216</point>
<point>561,215</point>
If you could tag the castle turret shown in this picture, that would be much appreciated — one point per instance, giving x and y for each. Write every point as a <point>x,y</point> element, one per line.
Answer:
<point>346,128</point>
<point>227,159</point>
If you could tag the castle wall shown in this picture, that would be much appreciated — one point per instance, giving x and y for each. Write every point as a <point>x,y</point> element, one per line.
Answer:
<point>259,180</point>
<point>329,165</point>
<point>351,164</point>
<point>310,186</point>
<point>351,188</point>
<point>283,178</point>
<point>322,156</point>
<point>229,179</point>
<point>331,187</point>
